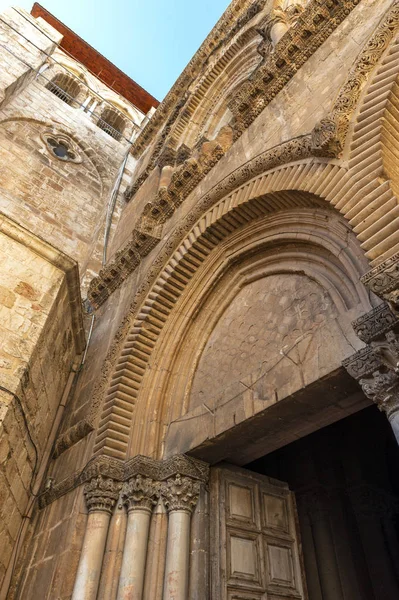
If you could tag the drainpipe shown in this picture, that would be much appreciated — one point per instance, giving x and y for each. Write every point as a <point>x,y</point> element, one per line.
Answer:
<point>112,201</point>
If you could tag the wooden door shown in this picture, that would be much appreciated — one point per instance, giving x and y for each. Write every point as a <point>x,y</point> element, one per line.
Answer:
<point>255,546</point>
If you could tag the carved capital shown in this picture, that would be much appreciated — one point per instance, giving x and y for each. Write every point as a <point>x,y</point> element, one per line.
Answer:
<point>180,493</point>
<point>101,493</point>
<point>376,367</point>
<point>140,493</point>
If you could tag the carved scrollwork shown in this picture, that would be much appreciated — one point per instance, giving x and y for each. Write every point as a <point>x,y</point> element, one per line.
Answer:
<point>180,493</point>
<point>140,493</point>
<point>384,281</point>
<point>375,324</point>
<point>101,493</point>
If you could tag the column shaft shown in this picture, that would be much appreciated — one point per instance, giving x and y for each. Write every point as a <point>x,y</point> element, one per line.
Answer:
<point>89,570</point>
<point>156,554</point>
<point>131,580</point>
<point>177,556</point>
<point>394,421</point>
<point>113,555</point>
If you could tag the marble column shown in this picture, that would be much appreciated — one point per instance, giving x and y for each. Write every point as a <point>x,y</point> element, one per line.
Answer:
<point>113,554</point>
<point>180,495</point>
<point>156,553</point>
<point>101,494</point>
<point>140,495</point>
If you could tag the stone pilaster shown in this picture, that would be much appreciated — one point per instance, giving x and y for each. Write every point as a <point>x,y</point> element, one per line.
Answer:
<point>180,495</point>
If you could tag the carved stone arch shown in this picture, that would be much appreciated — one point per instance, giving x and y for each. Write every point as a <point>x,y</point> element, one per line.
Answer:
<point>234,66</point>
<point>277,190</point>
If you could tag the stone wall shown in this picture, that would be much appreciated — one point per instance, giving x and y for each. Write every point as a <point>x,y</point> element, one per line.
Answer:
<point>40,338</point>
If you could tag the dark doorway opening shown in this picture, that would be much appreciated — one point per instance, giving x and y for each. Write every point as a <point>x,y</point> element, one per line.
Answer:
<point>346,482</point>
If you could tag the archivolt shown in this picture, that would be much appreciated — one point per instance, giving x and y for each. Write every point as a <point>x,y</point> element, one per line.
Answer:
<point>268,193</point>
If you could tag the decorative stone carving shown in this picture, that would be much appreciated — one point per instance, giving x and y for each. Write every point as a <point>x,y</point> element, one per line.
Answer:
<point>167,157</point>
<point>384,281</point>
<point>325,140</point>
<point>140,493</point>
<point>140,477</point>
<point>312,26</point>
<point>328,137</point>
<point>375,323</point>
<point>376,367</point>
<point>180,493</point>
<point>101,493</point>
<point>235,17</point>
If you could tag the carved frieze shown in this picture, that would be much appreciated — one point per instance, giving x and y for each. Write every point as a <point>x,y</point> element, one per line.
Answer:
<point>384,280</point>
<point>327,140</point>
<point>375,324</point>
<point>140,479</point>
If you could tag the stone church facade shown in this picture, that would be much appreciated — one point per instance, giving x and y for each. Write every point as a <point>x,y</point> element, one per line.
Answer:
<point>199,313</point>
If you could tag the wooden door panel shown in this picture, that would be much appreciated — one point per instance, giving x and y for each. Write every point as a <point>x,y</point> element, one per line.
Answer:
<point>254,538</point>
<point>244,557</point>
<point>275,513</point>
<point>240,504</point>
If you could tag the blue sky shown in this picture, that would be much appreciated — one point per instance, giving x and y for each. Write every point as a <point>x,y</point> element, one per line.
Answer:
<point>151,41</point>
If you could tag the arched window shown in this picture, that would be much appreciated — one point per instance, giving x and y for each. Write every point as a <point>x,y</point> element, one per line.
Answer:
<point>112,123</point>
<point>64,87</point>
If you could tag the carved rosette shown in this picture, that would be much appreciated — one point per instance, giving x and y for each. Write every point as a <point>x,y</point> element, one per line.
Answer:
<point>140,493</point>
<point>101,493</point>
<point>180,493</point>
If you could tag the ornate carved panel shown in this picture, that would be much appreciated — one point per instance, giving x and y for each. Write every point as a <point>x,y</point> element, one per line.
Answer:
<point>255,544</point>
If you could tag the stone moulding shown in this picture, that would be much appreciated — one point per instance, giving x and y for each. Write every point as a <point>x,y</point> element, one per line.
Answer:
<point>103,468</point>
<point>112,276</point>
<point>314,25</point>
<point>362,363</point>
